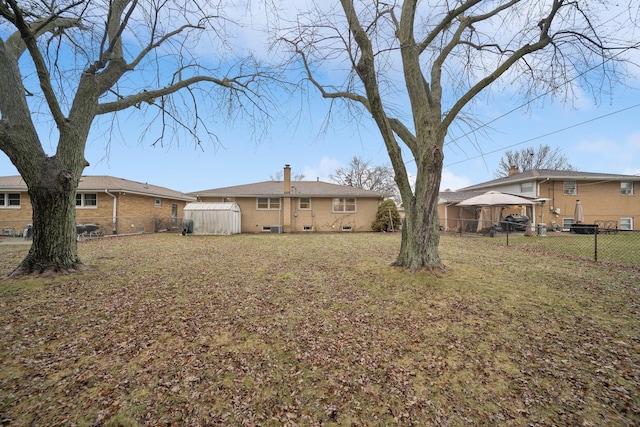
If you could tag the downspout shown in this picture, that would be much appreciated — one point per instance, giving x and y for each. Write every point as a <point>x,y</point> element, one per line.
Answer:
<point>280,214</point>
<point>114,217</point>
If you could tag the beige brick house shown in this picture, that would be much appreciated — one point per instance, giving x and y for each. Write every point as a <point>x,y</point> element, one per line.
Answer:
<point>610,200</point>
<point>297,206</point>
<point>117,205</point>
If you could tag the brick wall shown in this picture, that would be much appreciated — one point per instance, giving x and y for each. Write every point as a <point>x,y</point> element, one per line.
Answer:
<point>601,201</point>
<point>134,213</point>
<point>320,217</point>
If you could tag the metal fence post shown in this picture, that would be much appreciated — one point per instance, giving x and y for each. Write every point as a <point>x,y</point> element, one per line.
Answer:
<point>595,251</point>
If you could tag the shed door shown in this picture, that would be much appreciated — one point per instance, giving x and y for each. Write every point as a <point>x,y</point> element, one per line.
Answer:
<point>174,215</point>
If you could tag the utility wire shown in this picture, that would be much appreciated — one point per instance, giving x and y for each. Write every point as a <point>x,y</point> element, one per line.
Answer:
<point>547,134</point>
<point>622,51</point>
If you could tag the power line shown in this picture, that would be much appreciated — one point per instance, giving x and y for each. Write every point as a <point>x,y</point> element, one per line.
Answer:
<point>548,134</point>
<point>483,125</point>
<point>551,90</point>
<point>622,51</point>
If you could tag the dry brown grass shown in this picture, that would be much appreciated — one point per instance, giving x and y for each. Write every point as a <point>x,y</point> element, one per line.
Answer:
<point>318,329</point>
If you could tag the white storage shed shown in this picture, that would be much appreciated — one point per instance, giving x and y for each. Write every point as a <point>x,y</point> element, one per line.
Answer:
<point>204,218</point>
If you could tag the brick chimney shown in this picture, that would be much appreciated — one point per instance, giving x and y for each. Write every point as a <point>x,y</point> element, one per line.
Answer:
<point>287,179</point>
<point>513,170</point>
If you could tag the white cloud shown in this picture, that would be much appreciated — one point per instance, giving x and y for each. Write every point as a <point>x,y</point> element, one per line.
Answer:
<point>633,141</point>
<point>620,154</point>
<point>596,146</point>
<point>322,170</point>
<point>453,182</point>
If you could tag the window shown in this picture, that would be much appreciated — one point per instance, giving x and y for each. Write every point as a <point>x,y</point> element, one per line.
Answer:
<point>526,187</point>
<point>304,203</point>
<point>10,200</point>
<point>626,223</point>
<point>228,199</point>
<point>84,200</point>
<point>567,223</point>
<point>343,204</point>
<point>626,188</point>
<point>157,203</point>
<point>570,187</point>
<point>268,203</point>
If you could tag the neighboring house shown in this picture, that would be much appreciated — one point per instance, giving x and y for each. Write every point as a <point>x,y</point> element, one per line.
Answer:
<point>296,206</point>
<point>609,200</point>
<point>451,216</point>
<point>117,205</point>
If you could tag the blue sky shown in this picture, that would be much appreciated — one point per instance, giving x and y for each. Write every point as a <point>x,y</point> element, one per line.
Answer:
<point>595,138</point>
<point>600,135</point>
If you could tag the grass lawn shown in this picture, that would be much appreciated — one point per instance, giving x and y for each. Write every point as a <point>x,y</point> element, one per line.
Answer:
<point>318,329</point>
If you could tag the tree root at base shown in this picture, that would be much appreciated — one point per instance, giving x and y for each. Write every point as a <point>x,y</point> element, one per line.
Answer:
<point>27,268</point>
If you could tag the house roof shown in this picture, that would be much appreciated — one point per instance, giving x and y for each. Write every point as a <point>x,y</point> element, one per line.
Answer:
<point>457,196</point>
<point>100,183</point>
<point>298,189</point>
<point>551,174</point>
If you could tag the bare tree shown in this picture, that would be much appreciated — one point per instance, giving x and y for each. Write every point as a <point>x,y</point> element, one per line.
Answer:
<point>436,57</point>
<point>361,174</point>
<point>278,176</point>
<point>543,157</point>
<point>91,58</point>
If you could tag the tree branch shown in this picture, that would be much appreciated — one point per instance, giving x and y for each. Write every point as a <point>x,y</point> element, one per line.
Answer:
<point>29,38</point>
<point>326,94</point>
<point>365,68</point>
<point>445,23</point>
<point>150,95</point>
<point>543,41</point>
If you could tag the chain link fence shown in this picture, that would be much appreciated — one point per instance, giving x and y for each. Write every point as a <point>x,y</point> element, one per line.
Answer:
<point>610,245</point>
<point>589,241</point>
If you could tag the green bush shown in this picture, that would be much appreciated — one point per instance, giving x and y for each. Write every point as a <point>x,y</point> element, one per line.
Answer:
<point>387,217</point>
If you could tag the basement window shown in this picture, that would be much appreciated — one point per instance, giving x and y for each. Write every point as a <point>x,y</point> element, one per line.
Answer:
<point>307,228</point>
<point>567,223</point>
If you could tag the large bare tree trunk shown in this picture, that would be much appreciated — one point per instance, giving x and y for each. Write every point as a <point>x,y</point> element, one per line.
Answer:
<point>421,229</point>
<point>420,240</point>
<point>54,247</point>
